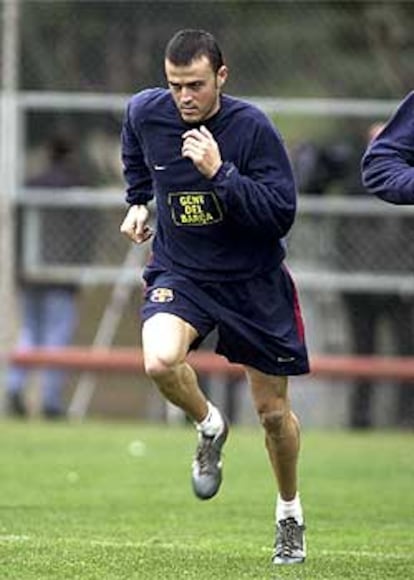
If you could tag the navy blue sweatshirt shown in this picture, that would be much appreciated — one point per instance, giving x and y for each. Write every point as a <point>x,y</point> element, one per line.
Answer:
<point>227,227</point>
<point>388,163</point>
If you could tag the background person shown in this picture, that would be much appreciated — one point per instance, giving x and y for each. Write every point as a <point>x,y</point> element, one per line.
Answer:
<point>225,197</point>
<point>367,312</point>
<point>48,309</point>
<point>371,244</point>
<point>388,173</point>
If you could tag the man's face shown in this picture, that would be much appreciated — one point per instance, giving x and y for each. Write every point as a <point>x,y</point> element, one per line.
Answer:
<point>195,88</point>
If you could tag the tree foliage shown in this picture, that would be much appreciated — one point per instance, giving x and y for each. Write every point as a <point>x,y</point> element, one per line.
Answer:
<point>275,48</point>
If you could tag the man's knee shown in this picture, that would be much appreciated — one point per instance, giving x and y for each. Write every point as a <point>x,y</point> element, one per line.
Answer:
<point>166,340</point>
<point>157,366</point>
<point>273,419</point>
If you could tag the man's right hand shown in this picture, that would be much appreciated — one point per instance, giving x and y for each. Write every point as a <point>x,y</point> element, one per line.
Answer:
<point>135,225</point>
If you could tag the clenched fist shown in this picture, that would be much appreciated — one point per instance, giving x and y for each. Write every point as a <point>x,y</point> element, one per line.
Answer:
<point>135,224</point>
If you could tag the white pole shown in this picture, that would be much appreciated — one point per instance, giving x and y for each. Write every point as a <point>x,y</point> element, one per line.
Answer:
<point>8,173</point>
<point>121,292</point>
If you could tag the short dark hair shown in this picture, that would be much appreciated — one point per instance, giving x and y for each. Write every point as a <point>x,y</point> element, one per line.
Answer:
<point>188,45</point>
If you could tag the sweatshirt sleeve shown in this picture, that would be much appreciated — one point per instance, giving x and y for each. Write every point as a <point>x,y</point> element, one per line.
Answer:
<point>136,173</point>
<point>388,163</point>
<point>263,197</point>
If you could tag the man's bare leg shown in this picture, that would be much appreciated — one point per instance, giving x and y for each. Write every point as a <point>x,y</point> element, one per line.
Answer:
<point>282,435</point>
<point>166,339</point>
<point>281,428</point>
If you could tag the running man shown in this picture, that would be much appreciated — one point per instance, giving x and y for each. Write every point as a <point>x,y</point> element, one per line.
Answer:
<point>225,198</point>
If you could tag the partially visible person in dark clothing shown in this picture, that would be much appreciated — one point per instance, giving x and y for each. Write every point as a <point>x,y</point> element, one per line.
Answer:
<point>364,244</point>
<point>48,309</point>
<point>388,163</point>
<point>388,173</point>
<point>317,167</point>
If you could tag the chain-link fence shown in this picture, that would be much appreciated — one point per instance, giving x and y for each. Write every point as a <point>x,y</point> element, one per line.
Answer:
<point>323,70</point>
<point>358,241</point>
<point>73,237</point>
<point>305,48</point>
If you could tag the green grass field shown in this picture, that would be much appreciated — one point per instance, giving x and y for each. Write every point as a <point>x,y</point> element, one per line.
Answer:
<point>110,501</point>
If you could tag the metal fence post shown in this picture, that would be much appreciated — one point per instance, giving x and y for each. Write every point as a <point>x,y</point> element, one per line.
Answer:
<point>8,173</point>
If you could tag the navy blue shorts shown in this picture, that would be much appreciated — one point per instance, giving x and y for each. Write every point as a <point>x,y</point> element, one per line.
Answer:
<point>258,321</point>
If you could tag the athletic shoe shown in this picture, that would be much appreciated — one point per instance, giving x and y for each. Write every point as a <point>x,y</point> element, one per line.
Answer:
<point>207,464</point>
<point>290,545</point>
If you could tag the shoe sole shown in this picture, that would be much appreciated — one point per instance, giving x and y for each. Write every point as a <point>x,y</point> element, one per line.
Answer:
<point>287,562</point>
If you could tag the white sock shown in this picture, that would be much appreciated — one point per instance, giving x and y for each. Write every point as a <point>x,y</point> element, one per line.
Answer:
<point>213,423</point>
<point>289,509</point>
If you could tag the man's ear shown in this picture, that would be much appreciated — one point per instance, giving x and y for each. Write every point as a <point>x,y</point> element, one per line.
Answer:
<point>222,75</point>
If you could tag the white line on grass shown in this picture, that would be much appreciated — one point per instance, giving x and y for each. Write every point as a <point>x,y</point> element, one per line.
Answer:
<point>108,543</point>
<point>14,538</point>
<point>367,554</point>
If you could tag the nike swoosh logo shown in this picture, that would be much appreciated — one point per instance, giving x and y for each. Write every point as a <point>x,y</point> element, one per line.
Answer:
<point>285,359</point>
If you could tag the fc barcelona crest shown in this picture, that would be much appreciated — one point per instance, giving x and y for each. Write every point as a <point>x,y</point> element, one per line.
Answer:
<point>161,295</point>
